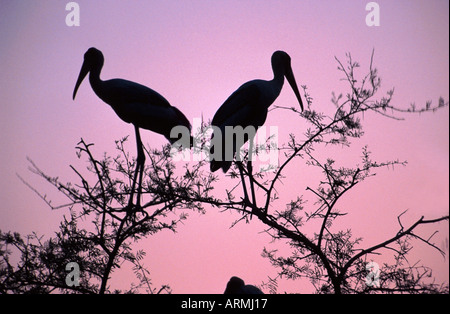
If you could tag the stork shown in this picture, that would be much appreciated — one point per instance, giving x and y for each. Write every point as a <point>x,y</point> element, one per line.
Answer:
<point>248,106</point>
<point>237,286</point>
<point>136,104</point>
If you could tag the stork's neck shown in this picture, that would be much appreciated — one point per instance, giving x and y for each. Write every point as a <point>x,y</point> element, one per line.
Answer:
<point>278,80</point>
<point>95,80</point>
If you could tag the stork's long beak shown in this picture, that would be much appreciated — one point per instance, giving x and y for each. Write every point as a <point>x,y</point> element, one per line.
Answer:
<point>83,72</point>
<point>291,79</point>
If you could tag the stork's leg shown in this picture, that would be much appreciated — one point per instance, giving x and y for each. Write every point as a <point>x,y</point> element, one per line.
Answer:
<point>140,164</point>
<point>250,173</point>
<point>130,201</point>
<point>244,186</point>
<point>252,185</point>
<point>139,169</point>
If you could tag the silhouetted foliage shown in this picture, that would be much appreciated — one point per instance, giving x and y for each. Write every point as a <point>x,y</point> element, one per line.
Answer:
<point>333,260</point>
<point>100,230</point>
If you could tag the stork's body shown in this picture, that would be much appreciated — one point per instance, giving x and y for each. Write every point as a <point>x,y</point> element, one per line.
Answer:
<point>139,105</point>
<point>133,103</point>
<point>249,104</point>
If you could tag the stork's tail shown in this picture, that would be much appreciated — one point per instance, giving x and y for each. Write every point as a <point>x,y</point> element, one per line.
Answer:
<point>182,120</point>
<point>216,165</point>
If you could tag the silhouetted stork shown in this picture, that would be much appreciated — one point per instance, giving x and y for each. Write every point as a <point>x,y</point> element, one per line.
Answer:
<point>249,104</point>
<point>237,286</point>
<point>135,104</point>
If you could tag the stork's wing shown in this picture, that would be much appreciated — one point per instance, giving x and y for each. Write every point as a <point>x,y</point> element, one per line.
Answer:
<point>246,95</point>
<point>242,108</point>
<point>152,117</point>
<point>121,92</point>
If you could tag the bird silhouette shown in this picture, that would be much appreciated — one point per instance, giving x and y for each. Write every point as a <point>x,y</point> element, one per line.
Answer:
<point>248,106</point>
<point>237,286</point>
<point>136,104</point>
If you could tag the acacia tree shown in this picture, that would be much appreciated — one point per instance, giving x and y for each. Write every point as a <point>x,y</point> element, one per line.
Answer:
<point>333,260</point>
<point>101,229</point>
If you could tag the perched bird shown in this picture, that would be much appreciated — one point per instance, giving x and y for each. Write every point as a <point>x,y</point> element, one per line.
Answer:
<point>136,104</point>
<point>248,106</point>
<point>237,286</point>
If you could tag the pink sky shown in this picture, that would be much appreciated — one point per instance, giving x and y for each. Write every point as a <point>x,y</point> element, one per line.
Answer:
<point>196,53</point>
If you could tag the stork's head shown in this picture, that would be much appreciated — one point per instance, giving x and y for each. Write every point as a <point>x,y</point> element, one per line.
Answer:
<point>234,285</point>
<point>281,63</point>
<point>93,60</point>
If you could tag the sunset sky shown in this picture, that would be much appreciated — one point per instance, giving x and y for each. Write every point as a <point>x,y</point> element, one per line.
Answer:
<point>196,53</point>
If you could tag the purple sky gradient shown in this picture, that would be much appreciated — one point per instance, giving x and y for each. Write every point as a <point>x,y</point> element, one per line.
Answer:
<point>196,53</point>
